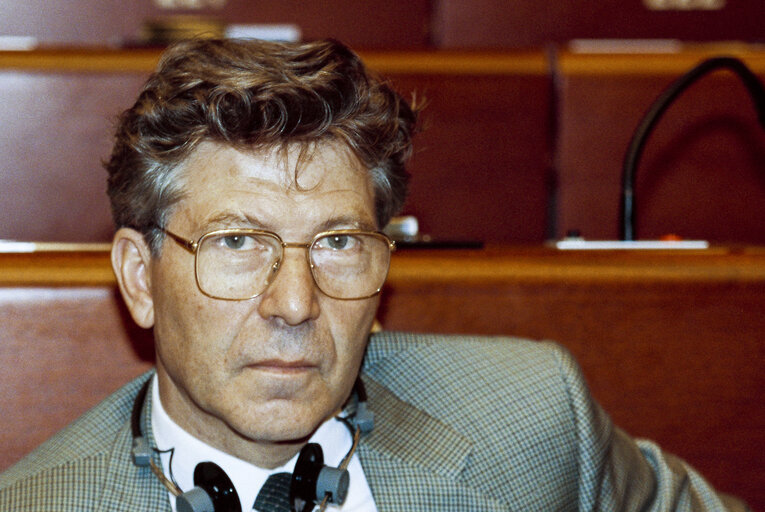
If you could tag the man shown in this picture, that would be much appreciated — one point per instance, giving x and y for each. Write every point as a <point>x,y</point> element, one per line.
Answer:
<point>249,183</point>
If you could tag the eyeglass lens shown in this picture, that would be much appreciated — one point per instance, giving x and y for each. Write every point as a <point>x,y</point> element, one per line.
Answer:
<point>241,264</point>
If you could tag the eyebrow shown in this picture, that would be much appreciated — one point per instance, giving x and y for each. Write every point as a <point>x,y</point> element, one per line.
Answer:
<point>353,221</point>
<point>233,219</point>
<point>239,219</point>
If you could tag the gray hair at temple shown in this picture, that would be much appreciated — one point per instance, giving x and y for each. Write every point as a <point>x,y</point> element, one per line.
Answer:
<point>253,95</point>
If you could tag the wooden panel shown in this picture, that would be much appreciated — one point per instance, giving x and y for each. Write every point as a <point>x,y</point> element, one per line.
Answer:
<point>524,23</point>
<point>62,350</point>
<point>703,170</point>
<point>671,342</point>
<point>55,128</point>
<point>360,23</point>
<point>481,166</point>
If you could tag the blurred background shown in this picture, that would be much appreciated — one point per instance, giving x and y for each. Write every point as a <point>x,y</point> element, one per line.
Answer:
<point>531,106</point>
<point>421,24</point>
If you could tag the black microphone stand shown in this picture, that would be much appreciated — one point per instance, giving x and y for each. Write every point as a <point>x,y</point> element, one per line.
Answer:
<point>647,124</point>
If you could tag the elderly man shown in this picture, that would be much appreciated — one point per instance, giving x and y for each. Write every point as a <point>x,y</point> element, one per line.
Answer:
<point>249,184</point>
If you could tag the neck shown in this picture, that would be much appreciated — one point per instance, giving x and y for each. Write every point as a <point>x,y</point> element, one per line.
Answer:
<point>266,455</point>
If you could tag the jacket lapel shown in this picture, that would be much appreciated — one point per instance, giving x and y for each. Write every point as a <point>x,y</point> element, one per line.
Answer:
<point>413,461</point>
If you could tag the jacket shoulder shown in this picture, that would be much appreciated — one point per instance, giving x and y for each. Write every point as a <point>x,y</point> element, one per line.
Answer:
<point>495,390</point>
<point>457,357</point>
<point>510,398</point>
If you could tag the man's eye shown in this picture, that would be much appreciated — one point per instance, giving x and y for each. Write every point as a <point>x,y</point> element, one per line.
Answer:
<point>337,242</point>
<point>237,242</point>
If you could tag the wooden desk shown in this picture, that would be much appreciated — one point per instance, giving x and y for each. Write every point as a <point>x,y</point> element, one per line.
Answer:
<point>671,343</point>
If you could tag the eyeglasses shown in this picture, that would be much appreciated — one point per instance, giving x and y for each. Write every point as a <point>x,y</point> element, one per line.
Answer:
<point>239,264</point>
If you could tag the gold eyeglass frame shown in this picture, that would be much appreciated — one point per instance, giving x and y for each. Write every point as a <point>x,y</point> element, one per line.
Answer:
<point>193,246</point>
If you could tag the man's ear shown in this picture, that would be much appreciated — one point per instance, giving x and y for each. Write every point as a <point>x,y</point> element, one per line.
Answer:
<point>131,261</point>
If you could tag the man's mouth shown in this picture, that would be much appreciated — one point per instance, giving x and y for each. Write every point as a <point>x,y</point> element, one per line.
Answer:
<point>282,366</point>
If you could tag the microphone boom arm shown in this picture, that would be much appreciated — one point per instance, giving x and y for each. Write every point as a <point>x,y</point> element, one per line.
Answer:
<point>647,124</point>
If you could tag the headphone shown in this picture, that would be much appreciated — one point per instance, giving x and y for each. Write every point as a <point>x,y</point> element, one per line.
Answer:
<point>312,483</point>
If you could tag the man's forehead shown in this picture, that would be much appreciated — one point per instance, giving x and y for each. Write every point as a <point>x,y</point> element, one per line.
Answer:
<point>291,167</point>
<point>275,189</point>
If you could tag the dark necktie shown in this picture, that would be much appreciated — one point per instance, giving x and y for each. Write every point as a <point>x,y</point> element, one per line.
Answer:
<point>274,496</point>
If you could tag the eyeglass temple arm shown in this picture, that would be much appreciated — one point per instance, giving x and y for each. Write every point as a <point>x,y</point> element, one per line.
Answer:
<point>189,245</point>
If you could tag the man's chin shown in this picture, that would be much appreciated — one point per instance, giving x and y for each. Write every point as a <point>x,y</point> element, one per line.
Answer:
<point>285,427</point>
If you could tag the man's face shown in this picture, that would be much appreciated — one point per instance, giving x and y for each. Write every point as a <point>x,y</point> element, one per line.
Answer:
<point>274,367</point>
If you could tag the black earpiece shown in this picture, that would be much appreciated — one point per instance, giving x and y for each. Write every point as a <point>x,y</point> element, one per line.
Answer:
<point>213,492</point>
<point>312,481</point>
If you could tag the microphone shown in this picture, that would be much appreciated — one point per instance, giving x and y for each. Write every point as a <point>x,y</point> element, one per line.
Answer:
<point>647,124</point>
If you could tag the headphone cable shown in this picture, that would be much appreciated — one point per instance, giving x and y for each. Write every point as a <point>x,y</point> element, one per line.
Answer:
<point>346,460</point>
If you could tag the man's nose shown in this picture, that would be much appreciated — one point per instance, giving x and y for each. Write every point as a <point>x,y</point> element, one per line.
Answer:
<point>292,294</point>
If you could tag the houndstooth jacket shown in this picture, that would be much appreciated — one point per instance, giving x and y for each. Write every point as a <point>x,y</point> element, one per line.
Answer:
<point>461,423</point>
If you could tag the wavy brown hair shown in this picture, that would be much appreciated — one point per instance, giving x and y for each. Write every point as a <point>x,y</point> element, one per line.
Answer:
<point>251,95</point>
